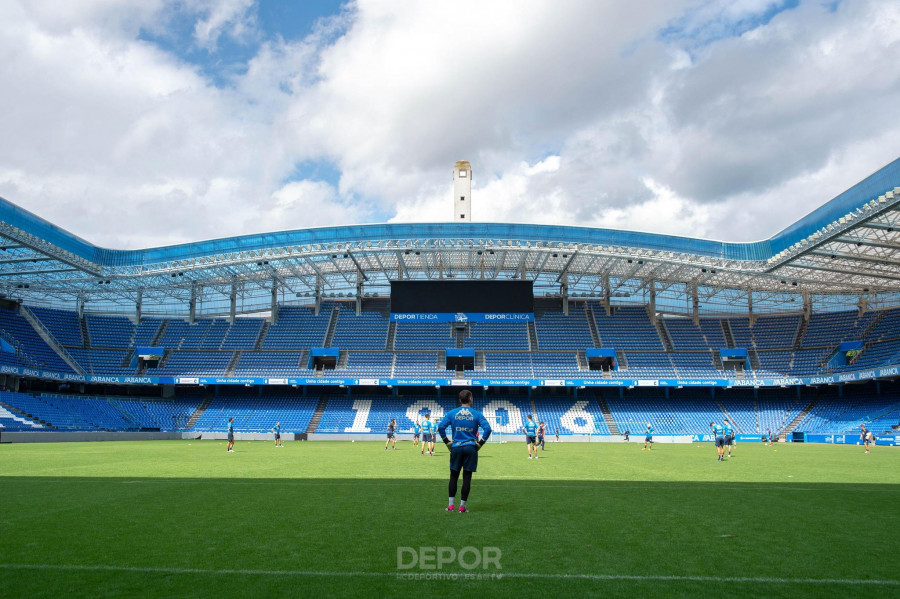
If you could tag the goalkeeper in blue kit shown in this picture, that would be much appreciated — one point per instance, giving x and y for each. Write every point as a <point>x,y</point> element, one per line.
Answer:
<point>464,422</point>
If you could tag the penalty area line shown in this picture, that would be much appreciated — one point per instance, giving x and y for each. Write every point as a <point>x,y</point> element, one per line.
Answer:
<point>401,573</point>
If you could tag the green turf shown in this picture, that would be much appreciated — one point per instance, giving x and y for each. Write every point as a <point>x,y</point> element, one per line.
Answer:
<point>186,519</point>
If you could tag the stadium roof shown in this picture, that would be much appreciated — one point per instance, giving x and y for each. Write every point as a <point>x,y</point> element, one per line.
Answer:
<point>844,253</point>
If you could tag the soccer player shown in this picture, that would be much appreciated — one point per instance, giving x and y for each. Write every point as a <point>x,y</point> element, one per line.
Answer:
<point>648,438</point>
<point>627,435</point>
<point>391,437</point>
<point>769,437</point>
<point>719,434</point>
<point>542,428</point>
<point>557,434</point>
<point>464,422</point>
<point>729,436</point>
<point>865,436</point>
<point>231,435</point>
<point>416,428</point>
<point>530,430</point>
<point>428,429</point>
<point>277,431</point>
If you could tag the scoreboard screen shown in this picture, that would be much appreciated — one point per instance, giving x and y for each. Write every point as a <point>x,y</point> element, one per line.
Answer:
<point>462,296</point>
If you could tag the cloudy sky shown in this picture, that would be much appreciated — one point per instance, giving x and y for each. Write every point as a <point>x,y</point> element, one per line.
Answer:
<point>135,123</point>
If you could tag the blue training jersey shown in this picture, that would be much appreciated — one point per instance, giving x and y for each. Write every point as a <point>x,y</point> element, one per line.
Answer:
<point>230,427</point>
<point>427,427</point>
<point>530,428</point>
<point>416,428</point>
<point>465,422</point>
<point>650,431</point>
<point>718,430</point>
<point>729,432</point>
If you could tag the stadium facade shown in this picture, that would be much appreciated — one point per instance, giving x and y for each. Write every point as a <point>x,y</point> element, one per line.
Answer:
<point>817,304</point>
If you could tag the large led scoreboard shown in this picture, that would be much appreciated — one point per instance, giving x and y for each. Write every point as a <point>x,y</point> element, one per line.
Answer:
<point>472,301</point>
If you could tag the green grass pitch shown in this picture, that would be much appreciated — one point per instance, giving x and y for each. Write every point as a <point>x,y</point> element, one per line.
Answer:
<point>187,519</point>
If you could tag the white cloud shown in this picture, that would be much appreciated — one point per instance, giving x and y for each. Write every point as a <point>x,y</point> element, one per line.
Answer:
<point>231,17</point>
<point>573,113</point>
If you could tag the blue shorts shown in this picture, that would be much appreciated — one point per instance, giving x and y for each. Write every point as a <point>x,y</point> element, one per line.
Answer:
<point>231,437</point>
<point>728,439</point>
<point>390,435</point>
<point>464,458</point>
<point>529,439</point>
<point>277,436</point>
<point>428,438</point>
<point>648,439</point>
<point>720,441</point>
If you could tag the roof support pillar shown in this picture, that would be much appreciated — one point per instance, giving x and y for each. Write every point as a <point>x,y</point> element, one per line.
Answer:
<point>564,291</point>
<point>653,301</point>
<point>192,304</point>
<point>863,305</point>
<point>274,308</point>
<point>80,306</point>
<point>138,306</point>
<point>807,305</point>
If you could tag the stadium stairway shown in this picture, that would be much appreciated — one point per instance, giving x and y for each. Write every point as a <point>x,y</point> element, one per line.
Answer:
<point>199,411</point>
<point>317,415</point>
<point>801,333</point>
<point>664,335</point>
<point>332,325</point>
<point>85,337</point>
<point>607,414</point>
<point>803,413</point>
<point>229,370</point>
<point>264,329</point>
<point>50,340</point>
<point>532,336</point>
<point>730,419</point>
<point>20,415</point>
<point>160,332</point>
<point>754,360</point>
<point>391,335</point>
<point>726,331</point>
<point>595,334</point>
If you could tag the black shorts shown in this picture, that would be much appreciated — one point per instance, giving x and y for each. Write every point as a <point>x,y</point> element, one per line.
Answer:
<point>540,439</point>
<point>529,439</point>
<point>277,436</point>
<point>231,437</point>
<point>428,438</point>
<point>464,458</point>
<point>648,439</point>
<point>390,435</point>
<point>728,439</point>
<point>720,441</point>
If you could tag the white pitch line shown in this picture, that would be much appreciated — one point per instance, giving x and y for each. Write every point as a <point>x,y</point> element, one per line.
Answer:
<point>500,575</point>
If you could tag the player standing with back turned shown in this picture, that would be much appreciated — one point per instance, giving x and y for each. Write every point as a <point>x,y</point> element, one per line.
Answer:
<point>530,430</point>
<point>719,434</point>
<point>464,422</point>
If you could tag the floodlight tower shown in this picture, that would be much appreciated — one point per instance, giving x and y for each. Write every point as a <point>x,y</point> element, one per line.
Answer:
<point>462,191</point>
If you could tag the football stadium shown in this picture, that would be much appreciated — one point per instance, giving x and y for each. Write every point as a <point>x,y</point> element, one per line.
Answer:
<point>331,333</point>
<point>367,298</point>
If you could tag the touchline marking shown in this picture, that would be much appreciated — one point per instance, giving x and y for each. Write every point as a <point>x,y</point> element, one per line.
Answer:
<point>319,573</point>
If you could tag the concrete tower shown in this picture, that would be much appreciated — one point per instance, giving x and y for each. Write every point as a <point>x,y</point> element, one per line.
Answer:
<point>462,192</point>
